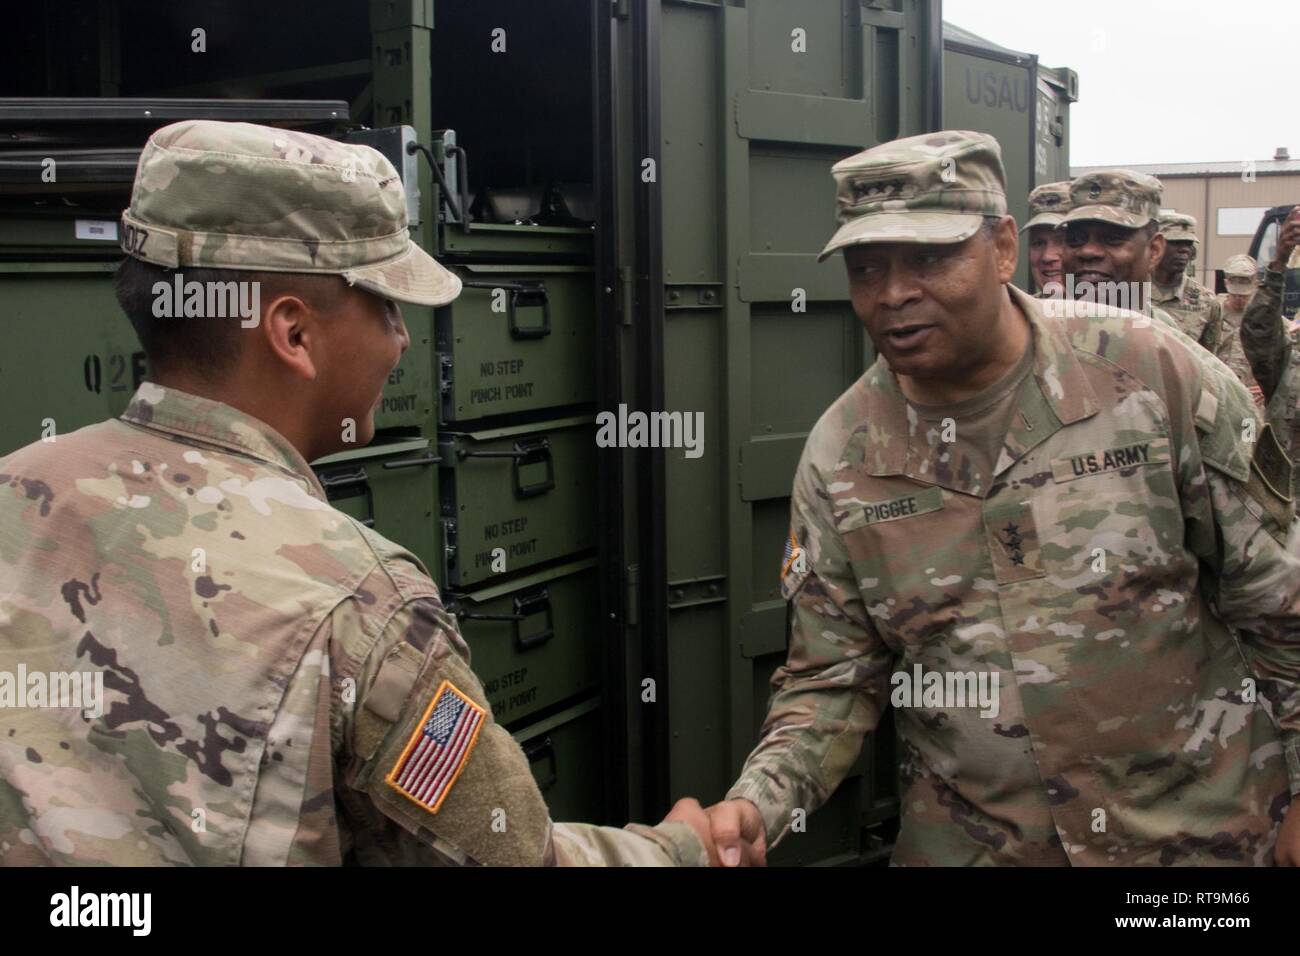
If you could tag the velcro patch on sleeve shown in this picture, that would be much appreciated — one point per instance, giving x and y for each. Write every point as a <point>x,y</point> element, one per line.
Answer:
<point>1207,406</point>
<point>1270,481</point>
<point>438,748</point>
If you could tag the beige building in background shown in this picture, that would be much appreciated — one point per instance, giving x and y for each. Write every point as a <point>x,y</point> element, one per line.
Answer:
<point>1227,199</point>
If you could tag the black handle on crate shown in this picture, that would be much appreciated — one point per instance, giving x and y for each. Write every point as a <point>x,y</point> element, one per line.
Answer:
<point>543,749</point>
<point>332,482</point>
<point>534,451</point>
<point>523,295</point>
<point>529,298</point>
<point>341,479</point>
<point>526,605</point>
<point>527,451</point>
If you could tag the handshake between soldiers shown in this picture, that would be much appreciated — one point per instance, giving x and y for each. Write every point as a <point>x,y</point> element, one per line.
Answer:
<point>309,693</point>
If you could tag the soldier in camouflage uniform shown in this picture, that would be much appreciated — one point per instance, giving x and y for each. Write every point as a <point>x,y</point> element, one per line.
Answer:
<point>1240,275</point>
<point>1273,348</point>
<point>283,685</point>
<point>1112,242</point>
<point>1067,505</point>
<point>1048,204</point>
<point>1198,312</point>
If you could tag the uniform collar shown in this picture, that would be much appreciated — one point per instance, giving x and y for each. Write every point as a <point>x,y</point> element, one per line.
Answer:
<point>1057,393</point>
<point>1172,293</point>
<point>191,417</point>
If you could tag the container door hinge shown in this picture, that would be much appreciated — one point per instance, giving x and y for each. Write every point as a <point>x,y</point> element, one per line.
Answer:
<point>627,293</point>
<point>621,9</point>
<point>446,374</point>
<point>632,600</point>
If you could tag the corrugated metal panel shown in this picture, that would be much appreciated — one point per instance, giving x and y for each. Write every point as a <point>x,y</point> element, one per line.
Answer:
<point>1232,192</point>
<point>1262,167</point>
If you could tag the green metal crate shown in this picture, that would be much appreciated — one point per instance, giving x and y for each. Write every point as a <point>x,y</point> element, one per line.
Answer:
<point>503,241</point>
<point>517,340</point>
<point>535,642</point>
<point>62,358</point>
<point>388,487</point>
<point>526,490</point>
<point>565,755</point>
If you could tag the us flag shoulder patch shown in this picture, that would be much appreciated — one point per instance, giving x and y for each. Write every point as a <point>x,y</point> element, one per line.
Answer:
<point>439,747</point>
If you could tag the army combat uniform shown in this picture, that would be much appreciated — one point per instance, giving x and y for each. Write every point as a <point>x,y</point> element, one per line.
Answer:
<point>1239,276</point>
<point>1088,541</point>
<point>1198,311</point>
<point>1231,353</point>
<point>1274,354</point>
<point>281,684</point>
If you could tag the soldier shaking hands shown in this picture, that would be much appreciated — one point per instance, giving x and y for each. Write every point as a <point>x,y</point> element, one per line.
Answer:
<point>1033,533</point>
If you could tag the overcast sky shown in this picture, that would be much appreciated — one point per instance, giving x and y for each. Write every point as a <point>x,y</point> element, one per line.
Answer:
<point>1161,81</point>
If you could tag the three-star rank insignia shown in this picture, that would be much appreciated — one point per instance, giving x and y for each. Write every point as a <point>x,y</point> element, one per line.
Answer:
<point>1013,539</point>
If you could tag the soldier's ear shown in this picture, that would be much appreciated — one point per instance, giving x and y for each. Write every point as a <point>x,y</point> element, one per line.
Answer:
<point>289,335</point>
<point>1006,240</point>
<point>1156,250</point>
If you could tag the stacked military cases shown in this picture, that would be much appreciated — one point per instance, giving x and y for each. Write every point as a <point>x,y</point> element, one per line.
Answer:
<point>495,489</point>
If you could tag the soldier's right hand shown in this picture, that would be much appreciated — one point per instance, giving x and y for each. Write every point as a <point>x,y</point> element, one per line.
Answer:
<point>1288,238</point>
<point>738,833</point>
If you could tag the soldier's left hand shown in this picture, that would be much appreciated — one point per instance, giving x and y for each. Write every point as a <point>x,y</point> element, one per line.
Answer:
<point>1288,840</point>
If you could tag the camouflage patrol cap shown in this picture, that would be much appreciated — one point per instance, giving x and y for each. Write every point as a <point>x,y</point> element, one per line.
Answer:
<point>220,195</point>
<point>1120,196</point>
<point>1239,274</point>
<point>1176,227</point>
<point>933,188</point>
<point>1048,204</point>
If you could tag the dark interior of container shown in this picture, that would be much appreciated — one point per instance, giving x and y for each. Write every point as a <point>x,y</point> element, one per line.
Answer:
<point>538,130</point>
<point>530,148</point>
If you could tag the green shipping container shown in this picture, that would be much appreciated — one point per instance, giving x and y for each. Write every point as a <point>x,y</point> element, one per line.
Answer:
<point>1024,105</point>
<point>649,181</point>
<point>744,108</point>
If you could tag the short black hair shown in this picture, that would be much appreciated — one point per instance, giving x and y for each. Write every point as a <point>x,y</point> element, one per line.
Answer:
<point>208,346</point>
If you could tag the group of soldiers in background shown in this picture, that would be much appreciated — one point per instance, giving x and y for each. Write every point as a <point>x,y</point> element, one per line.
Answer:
<point>1244,326</point>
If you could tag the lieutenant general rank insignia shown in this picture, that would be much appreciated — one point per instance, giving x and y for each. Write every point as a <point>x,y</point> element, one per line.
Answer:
<point>439,746</point>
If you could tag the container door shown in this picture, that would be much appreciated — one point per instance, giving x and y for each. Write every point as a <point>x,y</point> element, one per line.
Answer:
<point>744,107</point>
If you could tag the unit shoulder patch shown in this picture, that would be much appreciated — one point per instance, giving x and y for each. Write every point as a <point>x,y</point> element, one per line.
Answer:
<point>1270,478</point>
<point>438,748</point>
<point>794,565</point>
